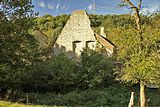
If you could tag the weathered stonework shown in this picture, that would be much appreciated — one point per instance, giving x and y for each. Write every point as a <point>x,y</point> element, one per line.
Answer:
<point>76,35</point>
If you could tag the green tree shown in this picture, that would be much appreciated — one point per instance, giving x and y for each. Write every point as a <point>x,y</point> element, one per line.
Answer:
<point>94,69</point>
<point>18,48</point>
<point>57,74</point>
<point>141,62</point>
<point>51,26</point>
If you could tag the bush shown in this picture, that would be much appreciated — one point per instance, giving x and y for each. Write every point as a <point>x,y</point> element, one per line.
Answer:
<point>94,69</point>
<point>61,74</point>
<point>57,74</point>
<point>117,96</point>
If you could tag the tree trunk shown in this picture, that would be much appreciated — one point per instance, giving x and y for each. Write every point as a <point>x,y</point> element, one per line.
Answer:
<point>137,18</point>
<point>142,95</point>
<point>136,12</point>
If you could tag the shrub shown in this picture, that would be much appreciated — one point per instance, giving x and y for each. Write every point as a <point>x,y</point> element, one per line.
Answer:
<point>94,68</point>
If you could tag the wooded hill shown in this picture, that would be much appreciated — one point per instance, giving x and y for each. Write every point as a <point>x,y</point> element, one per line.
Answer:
<point>118,28</point>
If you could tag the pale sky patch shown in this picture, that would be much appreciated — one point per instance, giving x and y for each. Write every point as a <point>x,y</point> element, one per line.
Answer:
<point>50,6</point>
<point>41,4</point>
<point>90,7</point>
<point>57,6</point>
<point>65,7</point>
<point>150,9</point>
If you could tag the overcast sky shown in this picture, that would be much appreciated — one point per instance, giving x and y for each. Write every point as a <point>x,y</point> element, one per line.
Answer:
<point>57,7</point>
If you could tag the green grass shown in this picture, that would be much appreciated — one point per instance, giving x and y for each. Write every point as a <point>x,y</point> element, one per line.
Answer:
<point>9,104</point>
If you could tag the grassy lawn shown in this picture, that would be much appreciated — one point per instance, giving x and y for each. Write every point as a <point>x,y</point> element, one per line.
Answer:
<point>9,104</point>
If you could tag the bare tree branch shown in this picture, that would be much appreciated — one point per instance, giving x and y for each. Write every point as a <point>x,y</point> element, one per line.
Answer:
<point>139,5</point>
<point>136,12</point>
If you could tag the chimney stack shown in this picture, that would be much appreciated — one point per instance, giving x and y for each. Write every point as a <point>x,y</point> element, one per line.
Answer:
<point>102,32</point>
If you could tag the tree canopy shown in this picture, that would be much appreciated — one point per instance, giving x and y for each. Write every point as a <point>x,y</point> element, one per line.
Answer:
<point>18,48</point>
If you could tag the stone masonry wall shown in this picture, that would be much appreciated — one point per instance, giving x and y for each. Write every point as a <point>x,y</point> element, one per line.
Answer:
<point>77,29</point>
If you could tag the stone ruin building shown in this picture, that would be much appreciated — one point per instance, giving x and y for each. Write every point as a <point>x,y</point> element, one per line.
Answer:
<point>77,35</point>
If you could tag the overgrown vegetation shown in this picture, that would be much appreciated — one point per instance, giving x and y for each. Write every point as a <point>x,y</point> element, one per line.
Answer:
<point>58,80</point>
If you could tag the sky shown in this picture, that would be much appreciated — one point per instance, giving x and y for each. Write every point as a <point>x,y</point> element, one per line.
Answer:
<point>58,7</point>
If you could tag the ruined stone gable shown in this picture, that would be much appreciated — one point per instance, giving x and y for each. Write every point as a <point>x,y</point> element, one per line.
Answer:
<point>76,35</point>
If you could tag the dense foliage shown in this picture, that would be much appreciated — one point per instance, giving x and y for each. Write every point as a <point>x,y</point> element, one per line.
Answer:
<point>50,25</point>
<point>121,30</point>
<point>18,48</point>
<point>61,74</point>
<point>91,79</point>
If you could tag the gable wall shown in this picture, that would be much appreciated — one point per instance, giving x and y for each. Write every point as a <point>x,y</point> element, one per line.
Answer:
<point>77,28</point>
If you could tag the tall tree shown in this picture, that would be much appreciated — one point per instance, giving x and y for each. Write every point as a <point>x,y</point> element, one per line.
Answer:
<point>141,60</point>
<point>18,48</point>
